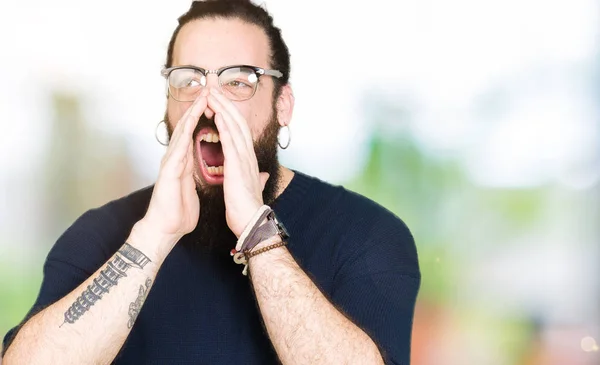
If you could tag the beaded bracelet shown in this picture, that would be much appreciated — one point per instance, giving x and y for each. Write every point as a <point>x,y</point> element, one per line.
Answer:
<point>243,257</point>
<point>265,249</point>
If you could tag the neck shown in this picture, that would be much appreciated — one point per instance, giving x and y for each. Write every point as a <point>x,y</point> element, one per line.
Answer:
<point>286,176</point>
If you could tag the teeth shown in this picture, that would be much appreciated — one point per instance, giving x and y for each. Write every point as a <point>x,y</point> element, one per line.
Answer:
<point>213,170</point>
<point>210,137</point>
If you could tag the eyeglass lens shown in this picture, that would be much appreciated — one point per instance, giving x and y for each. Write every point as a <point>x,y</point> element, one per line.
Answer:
<point>237,83</point>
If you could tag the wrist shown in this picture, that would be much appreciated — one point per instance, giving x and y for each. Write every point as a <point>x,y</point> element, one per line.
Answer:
<point>145,236</point>
<point>268,242</point>
<point>267,250</point>
<point>263,233</point>
<point>265,260</point>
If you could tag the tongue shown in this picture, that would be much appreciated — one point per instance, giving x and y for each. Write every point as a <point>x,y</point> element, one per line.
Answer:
<point>212,153</point>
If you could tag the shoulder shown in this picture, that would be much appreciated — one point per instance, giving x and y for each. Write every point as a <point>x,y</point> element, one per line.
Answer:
<point>358,211</point>
<point>117,214</point>
<point>369,231</point>
<point>130,207</point>
<point>100,231</point>
<point>375,222</point>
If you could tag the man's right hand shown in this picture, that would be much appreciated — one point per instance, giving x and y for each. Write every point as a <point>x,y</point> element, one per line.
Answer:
<point>174,207</point>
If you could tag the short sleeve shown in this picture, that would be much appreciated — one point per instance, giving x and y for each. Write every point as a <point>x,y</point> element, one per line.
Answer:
<point>377,284</point>
<point>75,256</point>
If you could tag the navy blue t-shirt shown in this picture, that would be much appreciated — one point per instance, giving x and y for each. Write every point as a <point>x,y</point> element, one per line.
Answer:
<point>201,309</point>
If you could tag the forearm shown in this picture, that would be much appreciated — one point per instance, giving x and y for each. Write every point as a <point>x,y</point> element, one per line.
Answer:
<point>90,324</point>
<point>304,327</point>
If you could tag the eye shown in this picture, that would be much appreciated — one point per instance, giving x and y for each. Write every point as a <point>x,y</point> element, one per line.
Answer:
<point>192,83</point>
<point>238,84</point>
<point>186,78</point>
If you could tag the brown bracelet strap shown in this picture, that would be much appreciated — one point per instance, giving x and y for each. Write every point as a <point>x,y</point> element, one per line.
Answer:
<point>265,249</point>
<point>251,240</point>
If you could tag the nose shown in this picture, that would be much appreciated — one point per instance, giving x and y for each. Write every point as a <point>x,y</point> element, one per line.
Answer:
<point>212,80</point>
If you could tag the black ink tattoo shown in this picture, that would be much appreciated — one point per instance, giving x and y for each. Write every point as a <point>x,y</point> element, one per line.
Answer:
<point>126,257</point>
<point>135,307</point>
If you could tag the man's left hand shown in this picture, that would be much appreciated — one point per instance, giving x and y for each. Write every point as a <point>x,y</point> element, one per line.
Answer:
<point>243,183</point>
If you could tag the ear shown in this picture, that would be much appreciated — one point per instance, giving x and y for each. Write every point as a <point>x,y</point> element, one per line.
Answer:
<point>285,105</point>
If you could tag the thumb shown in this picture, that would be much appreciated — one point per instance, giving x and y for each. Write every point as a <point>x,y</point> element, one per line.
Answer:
<point>264,176</point>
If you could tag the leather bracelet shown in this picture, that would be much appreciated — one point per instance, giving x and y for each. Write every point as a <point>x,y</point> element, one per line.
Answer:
<point>260,232</point>
<point>245,244</point>
<point>256,232</point>
<point>255,222</point>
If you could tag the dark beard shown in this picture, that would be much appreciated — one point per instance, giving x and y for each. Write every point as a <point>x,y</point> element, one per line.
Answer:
<point>212,233</point>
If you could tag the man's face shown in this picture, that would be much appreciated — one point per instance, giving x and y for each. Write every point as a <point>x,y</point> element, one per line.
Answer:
<point>211,44</point>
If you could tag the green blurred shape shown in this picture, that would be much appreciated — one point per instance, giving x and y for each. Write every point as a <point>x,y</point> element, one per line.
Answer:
<point>19,286</point>
<point>422,192</point>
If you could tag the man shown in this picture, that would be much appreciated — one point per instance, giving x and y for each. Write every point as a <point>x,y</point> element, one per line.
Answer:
<point>150,278</point>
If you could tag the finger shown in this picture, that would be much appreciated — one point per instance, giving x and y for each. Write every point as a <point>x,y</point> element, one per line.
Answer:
<point>189,159</point>
<point>177,131</point>
<point>189,122</point>
<point>230,150</point>
<point>181,123</point>
<point>195,111</point>
<point>241,155</point>
<point>182,140</point>
<point>264,177</point>
<point>172,151</point>
<point>234,111</point>
<point>188,184</point>
<point>234,126</point>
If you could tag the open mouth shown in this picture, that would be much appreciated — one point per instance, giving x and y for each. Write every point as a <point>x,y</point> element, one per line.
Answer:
<point>210,154</point>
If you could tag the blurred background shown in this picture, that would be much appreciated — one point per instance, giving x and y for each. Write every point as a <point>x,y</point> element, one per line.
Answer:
<point>476,122</point>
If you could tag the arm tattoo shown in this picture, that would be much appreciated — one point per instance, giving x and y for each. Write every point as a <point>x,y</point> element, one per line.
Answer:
<point>126,257</point>
<point>135,307</point>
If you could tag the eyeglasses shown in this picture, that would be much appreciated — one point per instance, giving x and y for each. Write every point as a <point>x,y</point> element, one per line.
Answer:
<point>237,83</point>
